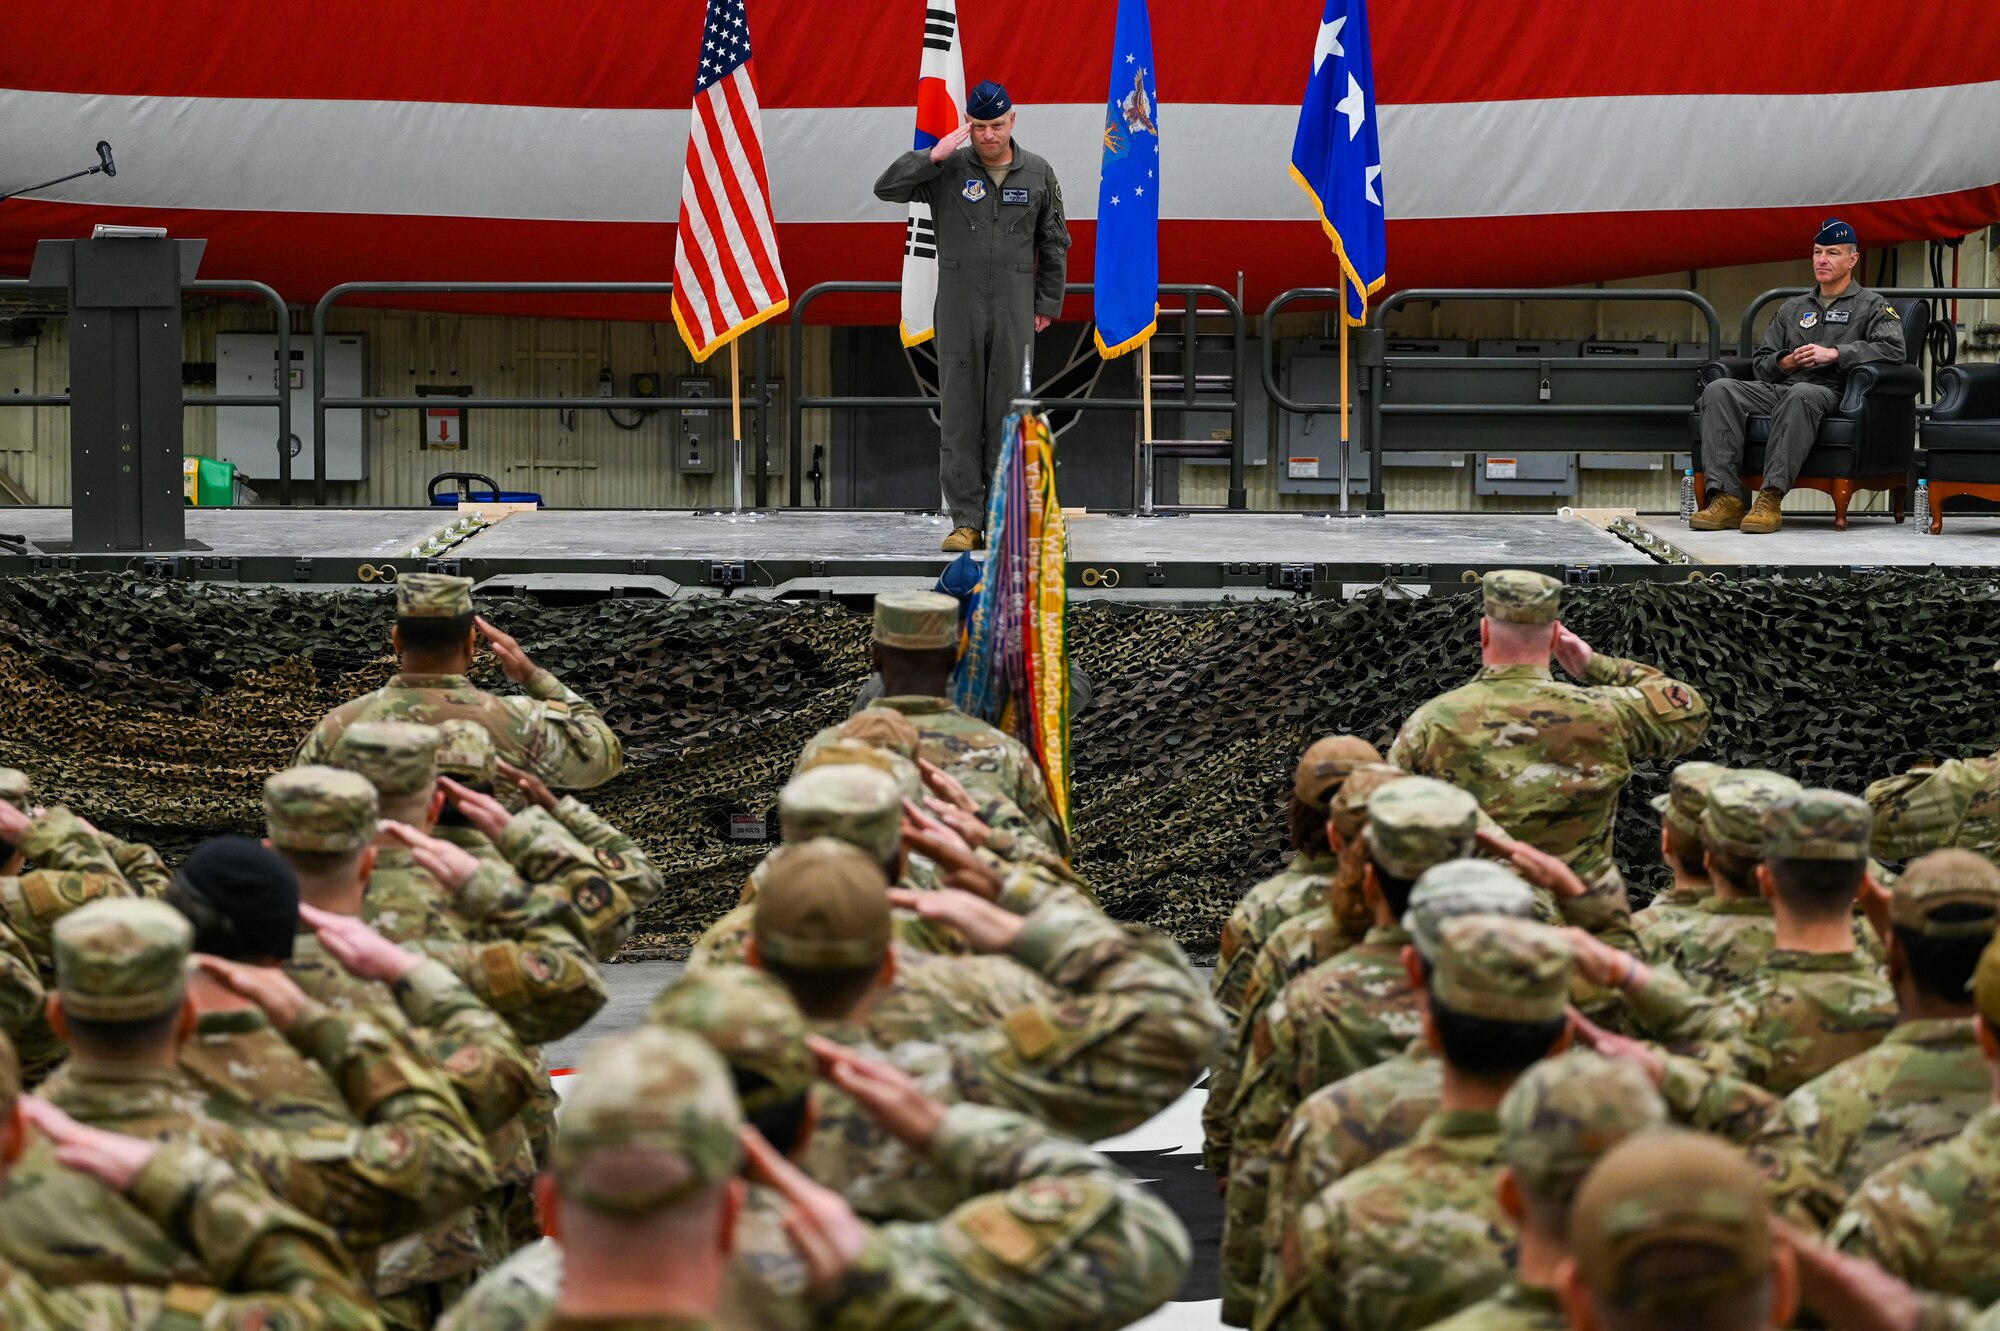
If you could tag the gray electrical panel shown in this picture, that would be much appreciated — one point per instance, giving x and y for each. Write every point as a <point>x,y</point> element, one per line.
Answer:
<point>1698,351</point>
<point>247,364</point>
<point>1524,474</point>
<point>1426,346</point>
<point>699,432</point>
<point>775,423</point>
<point>1311,460</point>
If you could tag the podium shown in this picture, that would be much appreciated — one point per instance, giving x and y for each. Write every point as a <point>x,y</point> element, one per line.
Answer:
<point>124,386</point>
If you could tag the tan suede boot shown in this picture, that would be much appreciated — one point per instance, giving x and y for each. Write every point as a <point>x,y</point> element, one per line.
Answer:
<point>1766,515</point>
<point>963,539</point>
<point>1724,513</point>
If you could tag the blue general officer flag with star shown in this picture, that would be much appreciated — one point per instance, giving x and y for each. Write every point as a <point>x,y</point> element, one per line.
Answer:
<point>1337,155</point>
<point>1128,191</point>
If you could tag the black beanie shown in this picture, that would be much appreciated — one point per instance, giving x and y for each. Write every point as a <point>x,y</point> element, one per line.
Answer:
<point>252,889</point>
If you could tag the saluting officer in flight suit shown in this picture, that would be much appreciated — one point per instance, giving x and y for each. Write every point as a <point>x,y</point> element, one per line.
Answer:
<point>1002,252</point>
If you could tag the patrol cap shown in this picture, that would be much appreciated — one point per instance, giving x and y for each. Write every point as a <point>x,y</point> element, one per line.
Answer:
<point>1420,821</point>
<point>328,810</point>
<point>1947,878</point>
<point>883,728</point>
<point>466,754</point>
<point>432,596</point>
<point>1349,810</point>
<point>1833,231</point>
<point>1687,795</point>
<point>1912,814</point>
<point>252,886</point>
<point>1326,765</point>
<point>1733,822</point>
<point>1564,1113</point>
<point>1818,825</point>
<point>858,804</point>
<point>653,1118</point>
<point>1462,887</point>
<point>916,621</point>
<point>988,101</point>
<point>823,905</point>
<point>16,789</point>
<point>1516,596</point>
<point>398,757</point>
<point>1669,1187</point>
<point>121,959</point>
<point>853,752</point>
<point>750,1019</point>
<point>1501,969</point>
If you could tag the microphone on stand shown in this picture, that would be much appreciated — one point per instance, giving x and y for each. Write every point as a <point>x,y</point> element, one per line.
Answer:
<point>104,164</point>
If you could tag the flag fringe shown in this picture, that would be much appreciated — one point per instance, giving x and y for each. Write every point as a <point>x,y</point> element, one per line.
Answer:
<point>723,339</point>
<point>1132,343</point>
<point>1367,289</point>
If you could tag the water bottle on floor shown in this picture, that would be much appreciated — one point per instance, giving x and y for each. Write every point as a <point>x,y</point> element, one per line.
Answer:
<point>1687,496</point>
<point>1921,505</point>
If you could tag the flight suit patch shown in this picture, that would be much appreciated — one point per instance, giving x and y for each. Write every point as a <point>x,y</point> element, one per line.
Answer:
<point>1809,318</point>
<point>1839,316</point>
<point>1014,197</point>
<point>974,191</point>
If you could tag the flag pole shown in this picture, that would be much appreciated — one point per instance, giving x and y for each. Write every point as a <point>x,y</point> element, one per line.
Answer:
<point>1146,437</point>
<point>1343,395</point>
<point>737,422</point>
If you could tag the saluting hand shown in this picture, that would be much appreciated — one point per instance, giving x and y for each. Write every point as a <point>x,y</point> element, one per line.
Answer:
<point>111,1158</point>
<point>447,863</point>
<point>514,661</point>
<point>885,1092</point>
<point>1573,653</point>
<point>532,787</point>
<point>1847,1291</point>
<point>266,986</point>
<point>982,924</point>
<point>956,863</point>
<point>822,1227</point>
<point>951,143</point>
<point>359,947</point>
<point>482,811</point>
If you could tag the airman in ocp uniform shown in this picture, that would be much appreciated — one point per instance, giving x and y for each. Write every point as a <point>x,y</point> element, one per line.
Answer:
<point>552,732</point>
<point>1547,760</point>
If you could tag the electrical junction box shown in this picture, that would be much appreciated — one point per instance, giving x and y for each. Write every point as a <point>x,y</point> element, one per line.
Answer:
<point>1310,461</point>
<point>1525,474</point>
<point>1520,346</point>
<point>700,433</point>
<point>1425,346</point>
<point>1698,351</point>
<point>775,424</point>
<point>247,364</point>
<point>1625,350</point>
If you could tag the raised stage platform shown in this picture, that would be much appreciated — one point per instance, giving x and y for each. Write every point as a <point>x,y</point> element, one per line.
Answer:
<point>798,553</point>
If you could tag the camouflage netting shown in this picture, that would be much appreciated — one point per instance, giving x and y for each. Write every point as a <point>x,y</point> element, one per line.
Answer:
<point>158,708</point>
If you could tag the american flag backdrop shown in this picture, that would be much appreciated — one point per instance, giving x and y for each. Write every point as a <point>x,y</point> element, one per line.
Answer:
<point>727,275</point>
<point>1525,142</point>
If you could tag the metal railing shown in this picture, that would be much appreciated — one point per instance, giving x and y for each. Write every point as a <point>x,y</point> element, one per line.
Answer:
<point>1376,364</point>
<point>281,399</point>
<point>1191,294</point>
<point>760,355</point>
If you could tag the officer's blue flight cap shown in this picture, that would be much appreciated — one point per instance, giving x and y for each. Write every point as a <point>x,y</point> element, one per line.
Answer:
<point>1833,231</point>
<point>989,101</point>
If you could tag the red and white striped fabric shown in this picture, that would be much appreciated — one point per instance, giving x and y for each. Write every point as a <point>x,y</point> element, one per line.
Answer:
<point>727,275</point>
<point>1528,142</point>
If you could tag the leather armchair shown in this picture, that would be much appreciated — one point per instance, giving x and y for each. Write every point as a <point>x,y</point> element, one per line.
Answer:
<point>1867,442</point>
<point>1962,437</point>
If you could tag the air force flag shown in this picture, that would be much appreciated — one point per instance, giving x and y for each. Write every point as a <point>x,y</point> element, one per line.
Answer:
<point>1128,191</point>
<point>940,110</point>
<point>1337,156</point>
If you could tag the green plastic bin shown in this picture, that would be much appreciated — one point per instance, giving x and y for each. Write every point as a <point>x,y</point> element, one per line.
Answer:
<point>208,482</point>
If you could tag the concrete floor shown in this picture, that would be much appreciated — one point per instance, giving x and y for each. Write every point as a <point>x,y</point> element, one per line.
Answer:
<point>1204,537</point>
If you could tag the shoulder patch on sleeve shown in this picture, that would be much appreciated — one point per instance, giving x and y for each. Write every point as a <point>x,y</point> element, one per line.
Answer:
<point>1889,311</point>
<point>1668,697</point>
<point>1031,1032</point>
<point>992,1228</point>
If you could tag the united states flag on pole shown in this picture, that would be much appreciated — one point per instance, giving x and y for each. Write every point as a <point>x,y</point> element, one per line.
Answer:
<point>727,277</point>
<point>940,110</point>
